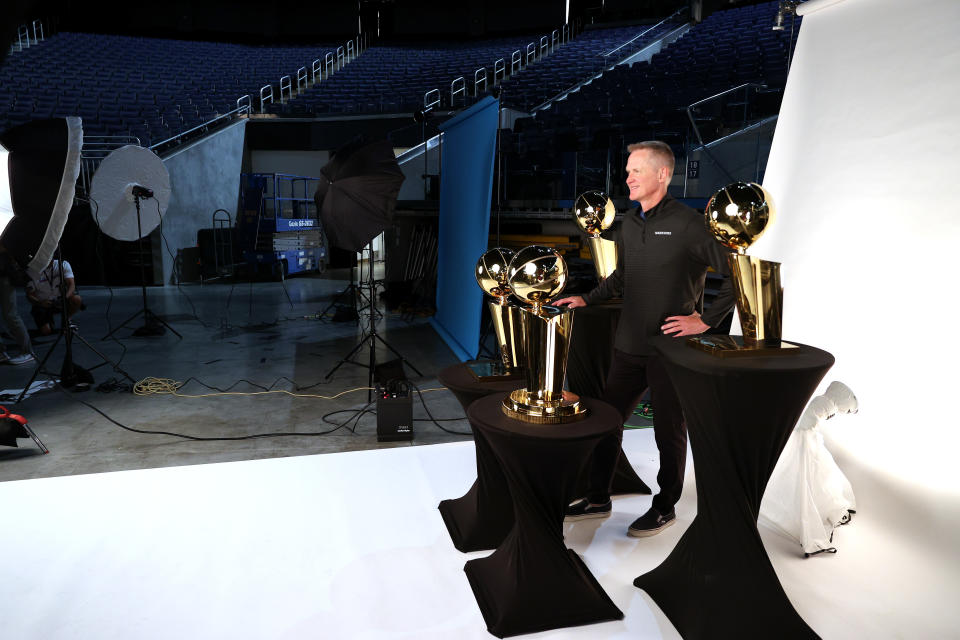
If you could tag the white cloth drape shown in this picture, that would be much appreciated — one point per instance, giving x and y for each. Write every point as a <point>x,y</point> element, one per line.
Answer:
<point>808,496</point>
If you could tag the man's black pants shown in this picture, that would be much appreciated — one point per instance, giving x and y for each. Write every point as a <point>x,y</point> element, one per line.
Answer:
<point>627,379</point>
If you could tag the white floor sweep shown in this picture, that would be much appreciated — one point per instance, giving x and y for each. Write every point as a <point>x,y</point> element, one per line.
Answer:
<point>351,545</point>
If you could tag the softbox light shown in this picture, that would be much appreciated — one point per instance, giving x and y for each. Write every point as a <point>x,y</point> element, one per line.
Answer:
<point>40,161</point>
<point>358,193</point>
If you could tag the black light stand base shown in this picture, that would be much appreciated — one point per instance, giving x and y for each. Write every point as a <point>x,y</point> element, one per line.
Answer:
<point>370,336</point>
<point>151,321</point>
<point>153,325</point>
<point>150,330</point>
<point>72,376</point>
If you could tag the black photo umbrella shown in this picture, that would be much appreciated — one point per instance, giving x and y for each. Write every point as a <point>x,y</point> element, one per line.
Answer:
<point>356,200</point>
<point>358,193</point>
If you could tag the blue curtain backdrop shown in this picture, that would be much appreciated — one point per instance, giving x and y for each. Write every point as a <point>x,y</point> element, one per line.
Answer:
<point>466,185</point>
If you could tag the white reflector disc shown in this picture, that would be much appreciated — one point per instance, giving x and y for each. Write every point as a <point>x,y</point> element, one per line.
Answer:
<point>114,210</point>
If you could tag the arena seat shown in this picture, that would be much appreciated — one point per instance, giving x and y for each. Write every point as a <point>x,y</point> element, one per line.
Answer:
<point>154,87</point>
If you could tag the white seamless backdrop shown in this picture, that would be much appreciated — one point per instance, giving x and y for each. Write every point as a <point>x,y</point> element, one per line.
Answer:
<point>864,170</point>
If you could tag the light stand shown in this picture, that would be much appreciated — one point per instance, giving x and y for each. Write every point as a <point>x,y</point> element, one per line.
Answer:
<point>370,336</point>
<point>70,374</point>
<point>352,292</point>
<point>153,325</point>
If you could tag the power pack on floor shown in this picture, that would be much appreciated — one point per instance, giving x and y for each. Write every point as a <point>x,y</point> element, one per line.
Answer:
<point>394,414</point>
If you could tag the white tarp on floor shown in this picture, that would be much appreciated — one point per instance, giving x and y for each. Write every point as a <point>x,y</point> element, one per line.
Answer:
<point>351,545</point>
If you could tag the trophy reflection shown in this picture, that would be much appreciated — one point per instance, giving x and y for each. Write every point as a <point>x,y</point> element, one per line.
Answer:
<point>594,213</point>
<point>491,273</point>
<point>537,274</point>
<point>737,215</point>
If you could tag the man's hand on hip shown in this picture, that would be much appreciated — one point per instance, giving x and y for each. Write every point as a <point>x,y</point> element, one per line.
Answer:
<point>690,325</point>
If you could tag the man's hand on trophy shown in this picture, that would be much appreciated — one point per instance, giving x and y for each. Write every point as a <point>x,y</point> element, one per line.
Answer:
<point>572,302</point>
<point>690,325</point>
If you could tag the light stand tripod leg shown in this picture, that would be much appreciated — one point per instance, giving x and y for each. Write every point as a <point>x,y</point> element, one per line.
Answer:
<point>150,316</point>
<point>121,325</point>
<point>370,338</point>
<point>38,369</point>
<point>397,353</point>
<point>106,360</point>
<point>35,438</point>
<point>152,322</point>
<point>346,359</point>
<point>352,290</point>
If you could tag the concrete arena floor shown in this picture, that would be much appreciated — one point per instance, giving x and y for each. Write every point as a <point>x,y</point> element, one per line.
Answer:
<point>246,331</point>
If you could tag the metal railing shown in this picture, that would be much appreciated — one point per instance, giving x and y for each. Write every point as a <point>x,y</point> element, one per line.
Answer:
<point>266,92</point>
<point>605,64</point>
<point>244,110</point>
<point>672,16</point>
<point>430,100</point>
<point>499,69</point>
<point>729,113</point>
<point>301,80</point>
<point>24,40</point>
<point>481,81</point>
<point>320,70</point>
<point>94,150</point>
<point>456,90</point>
<point>479,77</point>
<point>745,87</point>
<point>286,84</point>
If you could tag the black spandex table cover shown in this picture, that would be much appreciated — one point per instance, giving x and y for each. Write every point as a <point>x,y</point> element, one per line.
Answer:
<point>532,582</point>
<point>718,581</point>
<point>481,518</point>
<point>591,352</point>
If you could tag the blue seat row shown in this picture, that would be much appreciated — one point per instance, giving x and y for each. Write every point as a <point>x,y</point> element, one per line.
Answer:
<point>157,87</point>
<point>649,100</point>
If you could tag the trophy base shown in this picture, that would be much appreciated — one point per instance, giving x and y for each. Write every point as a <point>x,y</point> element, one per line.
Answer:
<point>492,371</point>
<point>734,347</point>
<point>520,406</point>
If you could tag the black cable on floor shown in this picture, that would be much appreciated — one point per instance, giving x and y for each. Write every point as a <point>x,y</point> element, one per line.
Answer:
<point>296,387</point>
<point>358,414</point>
<point>434,420</point>
<point>279,434</point>
<point>176,277</point>
<point>98,249</point>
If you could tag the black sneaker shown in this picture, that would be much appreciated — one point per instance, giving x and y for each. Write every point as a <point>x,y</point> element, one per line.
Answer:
<point>651,523</point>
<point>582,509</point>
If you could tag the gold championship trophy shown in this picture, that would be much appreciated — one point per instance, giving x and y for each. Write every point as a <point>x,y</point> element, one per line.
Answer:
<point>594,213</point>
<point>491,275</point>
<point>537,274</point>
<point>737,216</point>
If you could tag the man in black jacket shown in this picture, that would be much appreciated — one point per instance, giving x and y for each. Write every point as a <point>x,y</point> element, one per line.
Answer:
<point>664,255</point>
